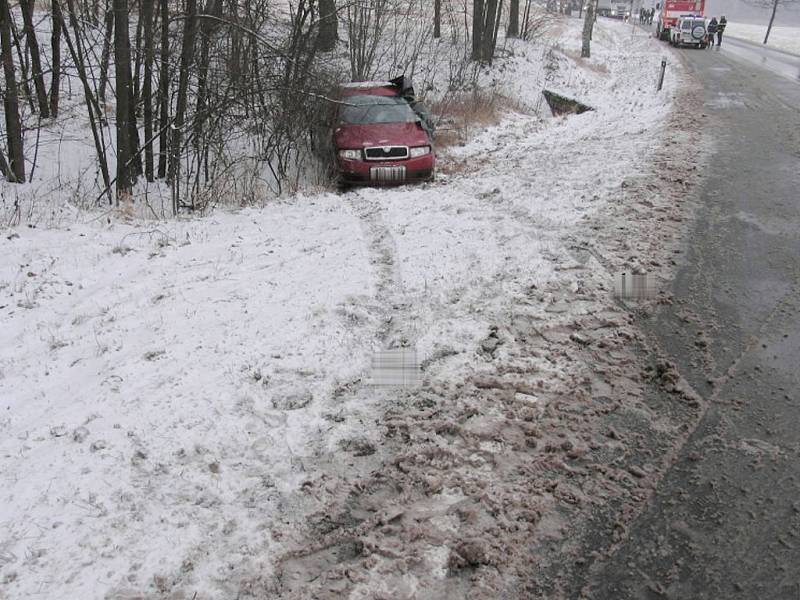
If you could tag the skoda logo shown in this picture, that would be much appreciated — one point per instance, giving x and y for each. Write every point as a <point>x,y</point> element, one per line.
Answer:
<point>387,149</point>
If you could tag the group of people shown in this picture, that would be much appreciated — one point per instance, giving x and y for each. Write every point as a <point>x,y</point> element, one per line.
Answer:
<point>717,28</point>
<point>646,16</point>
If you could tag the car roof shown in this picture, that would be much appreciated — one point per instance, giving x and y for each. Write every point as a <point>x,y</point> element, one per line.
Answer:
<point>369,88</point>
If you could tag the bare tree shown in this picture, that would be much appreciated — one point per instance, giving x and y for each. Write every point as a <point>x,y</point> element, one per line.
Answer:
<point>478,12</point>
<point>437,19</point>
<point>485,26</point>
<point>513,18</point>
<point>207,29</point>
<point>15,171</point>
<point>772,4</point>
<point>328,25</point>
<point>77,54</point>
<point>106,54</point>
<point>55,59</point>
<point>36,62</point>
<point>187,54</point>
<point>4,168</point>
<point>163,91</point>
<point>494,12</point>
<point>147,86</point>
<point>23,81</point>
<point>365,23</point>
<point>588,25</point>
<point>126,146</point>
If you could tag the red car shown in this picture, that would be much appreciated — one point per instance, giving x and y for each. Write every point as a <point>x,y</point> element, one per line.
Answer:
<point>381,135</point>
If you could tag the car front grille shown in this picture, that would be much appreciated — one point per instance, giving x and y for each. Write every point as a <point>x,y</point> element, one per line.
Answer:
<point>387,174</point>
<point>386,152</point>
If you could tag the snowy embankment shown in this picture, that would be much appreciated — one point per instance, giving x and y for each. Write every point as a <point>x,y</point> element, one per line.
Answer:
<point>184,407</point>
<point>781,37</point>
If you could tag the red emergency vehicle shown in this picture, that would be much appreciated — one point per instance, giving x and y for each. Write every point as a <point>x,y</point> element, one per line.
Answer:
<point>671,10</point>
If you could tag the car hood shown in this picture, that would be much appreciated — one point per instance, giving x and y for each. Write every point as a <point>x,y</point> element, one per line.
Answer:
<point>379,134</point>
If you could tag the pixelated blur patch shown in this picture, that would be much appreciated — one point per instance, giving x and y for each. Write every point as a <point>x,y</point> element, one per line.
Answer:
<point>635,286</point>
<point>395,367</point>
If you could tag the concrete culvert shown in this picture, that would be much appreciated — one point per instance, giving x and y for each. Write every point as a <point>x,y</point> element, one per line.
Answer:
<point>561,105</point>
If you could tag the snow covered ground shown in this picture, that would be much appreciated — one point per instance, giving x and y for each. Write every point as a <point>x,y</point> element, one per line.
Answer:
<point>781,37</point>
<point>184,407</point>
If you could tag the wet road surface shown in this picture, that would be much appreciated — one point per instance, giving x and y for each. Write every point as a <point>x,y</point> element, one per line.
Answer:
<point>725,520</point>
<point>777,61</point>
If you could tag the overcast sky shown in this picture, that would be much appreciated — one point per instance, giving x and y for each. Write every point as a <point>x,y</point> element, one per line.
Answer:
<point>738,10</point>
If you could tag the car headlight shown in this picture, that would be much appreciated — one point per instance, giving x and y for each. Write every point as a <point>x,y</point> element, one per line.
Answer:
<point>419,151</point>
<point>350,154</point>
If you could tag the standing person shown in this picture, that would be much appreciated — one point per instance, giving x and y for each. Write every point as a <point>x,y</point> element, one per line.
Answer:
<point>721,29</point>
<point>712,30</point>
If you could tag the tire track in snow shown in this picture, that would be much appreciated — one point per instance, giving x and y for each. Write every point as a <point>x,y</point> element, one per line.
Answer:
<point>395,331</point>
<point>480,469</point>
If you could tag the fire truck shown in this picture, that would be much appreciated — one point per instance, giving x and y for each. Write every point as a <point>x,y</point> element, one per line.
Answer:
<point>671,10</point>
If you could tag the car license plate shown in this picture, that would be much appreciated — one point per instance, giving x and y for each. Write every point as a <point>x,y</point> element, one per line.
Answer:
<point>387,174</point>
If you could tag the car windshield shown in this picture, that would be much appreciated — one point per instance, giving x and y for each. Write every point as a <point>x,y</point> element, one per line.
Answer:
<point>362,110</point>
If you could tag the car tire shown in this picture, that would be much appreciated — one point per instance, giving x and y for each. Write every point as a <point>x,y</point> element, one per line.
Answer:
<point>342,187</point>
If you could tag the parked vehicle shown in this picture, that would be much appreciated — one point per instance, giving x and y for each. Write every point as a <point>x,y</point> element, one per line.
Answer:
<point>382,135</point>
<point>615,10</point>
<point>672,10</point>
<point>690,30</point>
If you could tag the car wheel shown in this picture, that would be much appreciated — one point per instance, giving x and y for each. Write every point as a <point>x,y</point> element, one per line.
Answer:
<point>342,187</point>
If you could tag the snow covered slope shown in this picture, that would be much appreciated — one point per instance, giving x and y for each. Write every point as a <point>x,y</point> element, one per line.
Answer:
<point>183,408</point>
<point>781,37</point>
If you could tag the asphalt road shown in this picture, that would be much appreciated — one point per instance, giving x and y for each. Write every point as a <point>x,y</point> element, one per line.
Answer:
<point>777,61</point>
<point>725,520</point>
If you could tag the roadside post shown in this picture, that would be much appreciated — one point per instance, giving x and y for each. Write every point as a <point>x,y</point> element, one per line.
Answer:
<point>661,74</point>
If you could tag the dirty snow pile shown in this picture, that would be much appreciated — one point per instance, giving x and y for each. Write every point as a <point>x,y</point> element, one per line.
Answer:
<point>185,411</point>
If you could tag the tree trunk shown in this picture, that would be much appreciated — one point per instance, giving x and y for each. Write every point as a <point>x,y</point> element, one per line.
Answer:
<point>771,19</point>
<point>122,66</point>
<point>588,24</point>
<point>163,92</point>
<point>4,168</point>
<point>24,80</point>
<point>189,34</point>
<point>137,57</point>
<point>76,52</point>
<point>36,62</point>
<point>437,19</point>
<point>105,56</point>
<point>513,18</point>
<point>492,25</point>
<point>328,26</point>
<point>55,45</point>
<point>478,10</point>
<point>147,87</point>
<point>16,158</point>
<point>207,28</point>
